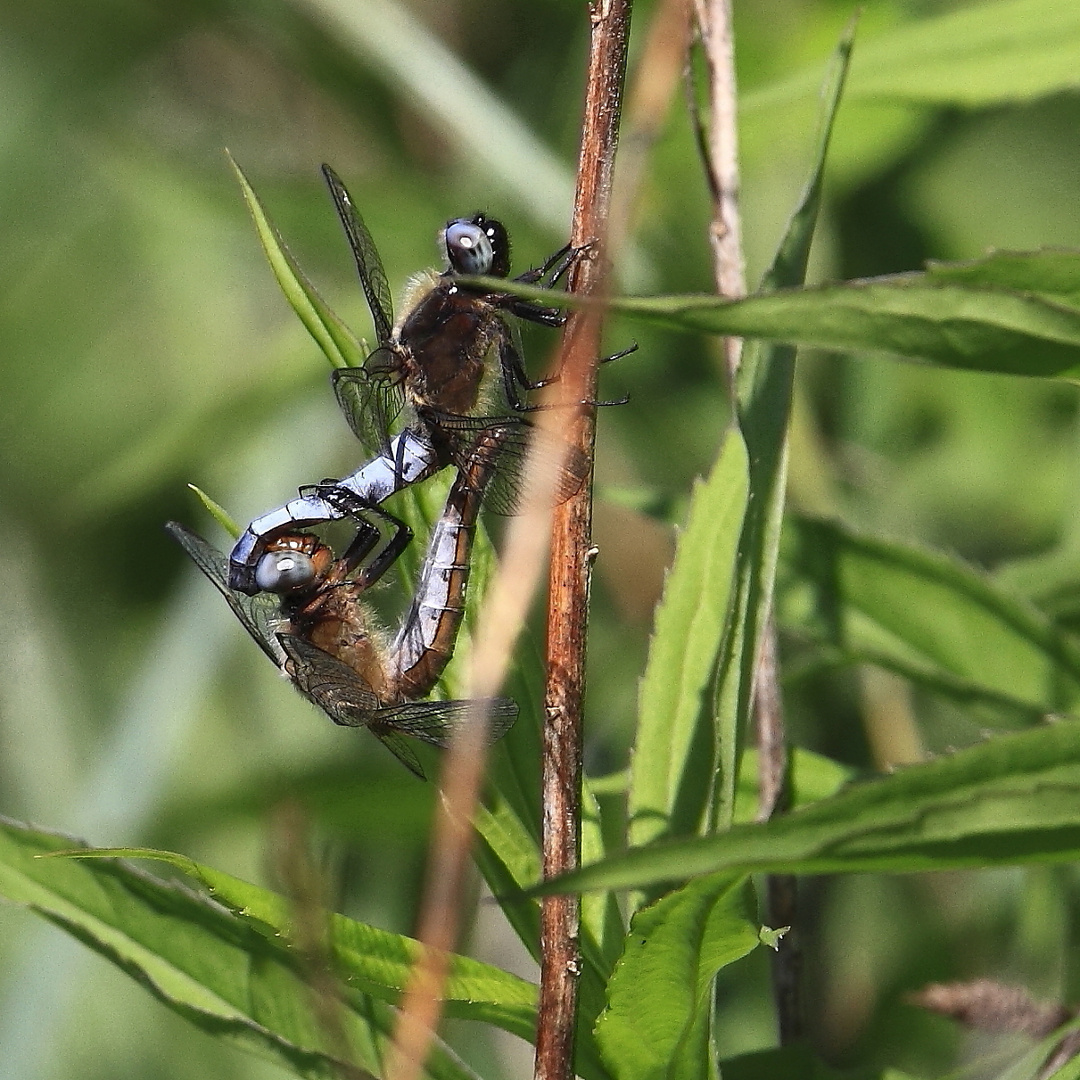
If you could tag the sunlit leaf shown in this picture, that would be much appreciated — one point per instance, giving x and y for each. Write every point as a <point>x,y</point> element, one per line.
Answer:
<point>1014,799</point>
<point>217,512</point>
<point>765,387</point>
<point>689,626</point>
<point>660,1001</point>
<point>228,974</point>
<point>919,316</point>
<point>1013,312</point>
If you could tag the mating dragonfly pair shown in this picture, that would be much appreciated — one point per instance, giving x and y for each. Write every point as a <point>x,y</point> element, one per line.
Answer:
<point>304,606</point>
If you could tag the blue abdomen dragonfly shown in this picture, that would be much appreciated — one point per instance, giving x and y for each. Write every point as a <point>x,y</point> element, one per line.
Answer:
<point>432,365</point>
<point>311,620</point>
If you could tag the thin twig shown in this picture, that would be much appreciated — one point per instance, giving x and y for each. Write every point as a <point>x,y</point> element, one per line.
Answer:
<point>725,231</point>
<point>502,618</point>
<point>714,19</point>
<point>572,555</point>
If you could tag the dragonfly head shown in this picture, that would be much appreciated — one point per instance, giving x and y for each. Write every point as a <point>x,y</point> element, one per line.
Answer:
<point>477,245</point>
<point>294,562</point>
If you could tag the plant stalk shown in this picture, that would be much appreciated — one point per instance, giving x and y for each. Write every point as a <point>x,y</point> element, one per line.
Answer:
<point>572,552</point>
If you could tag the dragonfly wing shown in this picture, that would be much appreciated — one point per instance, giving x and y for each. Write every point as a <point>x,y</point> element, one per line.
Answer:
<point>333,686</point>
<point>566,466</point>
<point>371,398</point>
<point>436,721</point>
<point>258,614</point>
<point>366,254</point>
<point>402,751</point>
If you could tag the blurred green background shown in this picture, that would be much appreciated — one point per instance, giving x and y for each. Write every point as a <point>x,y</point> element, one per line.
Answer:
<point>145,345</point>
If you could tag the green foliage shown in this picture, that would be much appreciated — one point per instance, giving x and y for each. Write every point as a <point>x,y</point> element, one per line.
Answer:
<point>933,536</point>
<point>1013,799</point>
<point>981,55</point>
<point>1012,312</point>
<point>660,999</point>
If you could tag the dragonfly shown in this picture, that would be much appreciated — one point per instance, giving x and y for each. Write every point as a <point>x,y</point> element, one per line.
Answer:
<point>432,364</point>
<point>311,620</point>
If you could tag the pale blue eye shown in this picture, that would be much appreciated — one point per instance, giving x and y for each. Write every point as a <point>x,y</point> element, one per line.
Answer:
<point>284,571</point>
<point>468,248</point>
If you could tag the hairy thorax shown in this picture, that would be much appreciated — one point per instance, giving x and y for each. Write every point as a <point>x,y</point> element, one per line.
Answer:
<point>444,342</point>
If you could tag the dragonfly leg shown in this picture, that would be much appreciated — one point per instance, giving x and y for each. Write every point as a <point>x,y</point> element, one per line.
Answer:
<point>557,266</point>
<point>363,543</point>
<point>391,552</point>
<point>516,379</point>
<point>349,503</point>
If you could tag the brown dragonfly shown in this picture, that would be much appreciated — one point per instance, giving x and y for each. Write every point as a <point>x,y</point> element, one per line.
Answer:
<point>311,620</point>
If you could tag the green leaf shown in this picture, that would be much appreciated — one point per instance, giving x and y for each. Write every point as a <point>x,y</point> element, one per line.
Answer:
<point>766,383</point>
<point>772,938</point>
<point>371,960</point>
<point>991,53</point>
<point>602,925</point>
<point>1015,313</point>
<point>811,777</point>
<point>995,709</point>
<point>934,611</point>
<point>689,627</point>
<point>660,1001</point>
<point>217,512</point>
<point>1030,1064</point>
<point>956,315</point>
<point>336,340</point>
<point>224,972</point>
<point>1015,799</point>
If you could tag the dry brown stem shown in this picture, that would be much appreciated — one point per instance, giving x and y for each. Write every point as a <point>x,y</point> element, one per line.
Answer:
<point>572,553</point>
<point>501,620</point>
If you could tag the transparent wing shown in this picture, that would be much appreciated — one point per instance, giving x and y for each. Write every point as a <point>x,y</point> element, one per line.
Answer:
<point>257,614</point>
<point>436,721</point>
<point>568,468</point>
<point>368,264</point>
<point>348,700</point>
<point>371,397</point>
<point>342,695</point>
<point>333,686</point>
<point>402,751</point>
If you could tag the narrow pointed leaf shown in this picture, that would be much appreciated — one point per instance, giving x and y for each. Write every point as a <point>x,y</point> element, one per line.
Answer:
<point>217,512</point>
<point>766,380</point>
<point>690,623</point>
<point>1015,313</point>
<point>975,328</point>
<point>1012,800</point>
<point>336,340</point>
<point>369,959</point>
<point>223,973</point>
<point>934,610</point>
<point>985,54</point>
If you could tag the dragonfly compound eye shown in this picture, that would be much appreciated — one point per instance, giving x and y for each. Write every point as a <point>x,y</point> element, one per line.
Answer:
<point>284,571</point>
<point>468,247</point>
